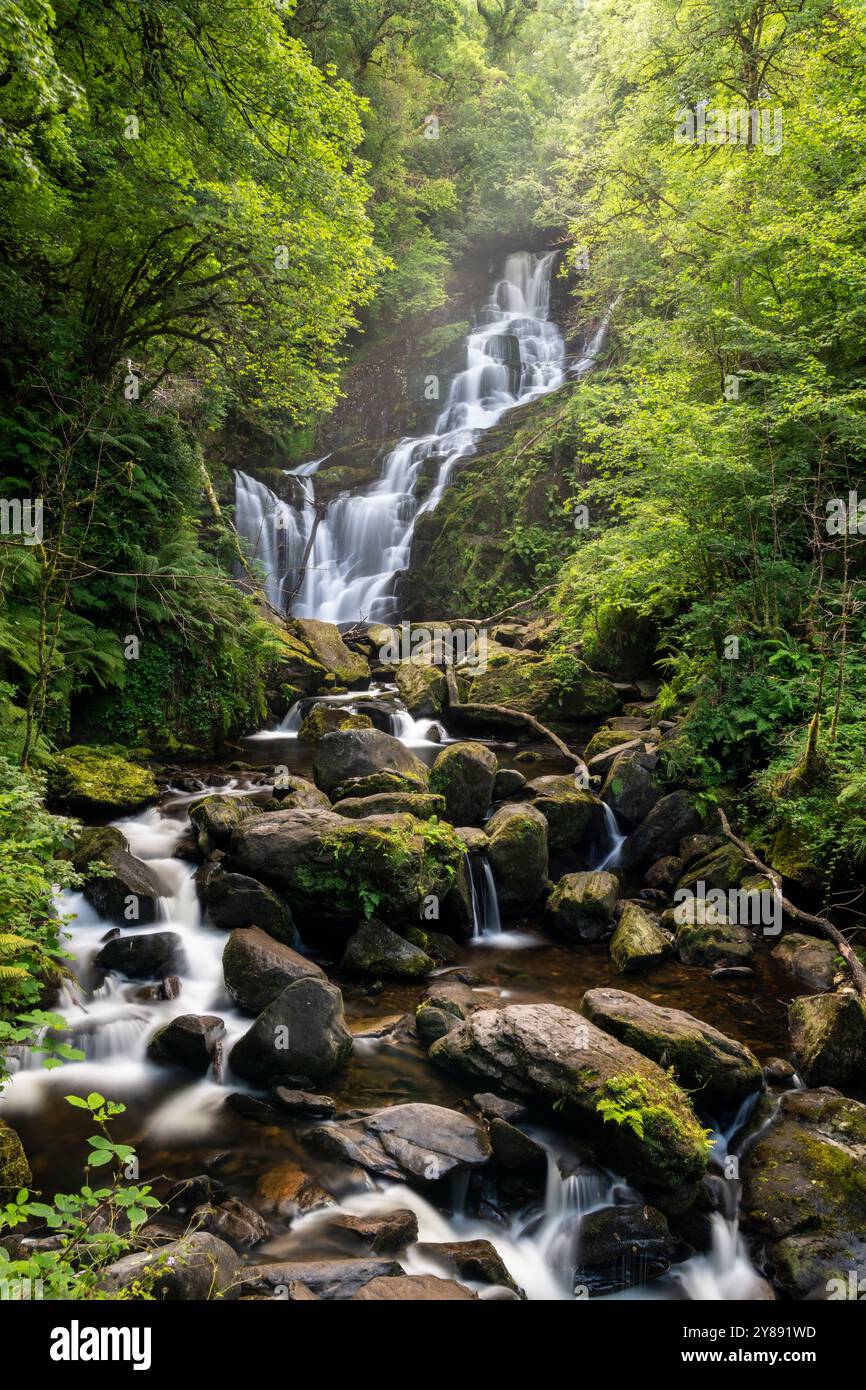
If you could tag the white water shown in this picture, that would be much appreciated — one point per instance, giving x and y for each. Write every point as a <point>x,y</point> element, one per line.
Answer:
<point>414,733</point>
<point>364,540</point>
<point>615,841</point>
<point>486,921</point>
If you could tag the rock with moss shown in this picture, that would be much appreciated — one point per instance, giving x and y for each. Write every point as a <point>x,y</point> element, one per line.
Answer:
<point>384,783</point>
<point>638,942</point>
<point>640,1122</point>
<point>332,868</point>
<point>575,817</point>
<point>517,836</point>
<point>660,832</point>
<point>809,961</point>
<point>724,867</point>
<point>323,640</point>
<point>14,1168</point>
<point>630,788</point>
<point>123,888</point>
<point>828,1032</point>
<point>445,1005</point>
<point>789,854</point>
<point>343,757</point>
<point>299,794</point>
<point>714,944</point>
<point>804,1194</point>
<point>423,805</point>
<point>422,688</point>
<point>374,950</point>
<point>91,782</point>
<point>605,739</point>
<point>622,1246</point>
<point>328,719</point>
<point>720,1070</point>
<point>580,908</point>
<point>550,688</point>
<point>507,782</point>
<point>215,817</point>
<point>463,774</point>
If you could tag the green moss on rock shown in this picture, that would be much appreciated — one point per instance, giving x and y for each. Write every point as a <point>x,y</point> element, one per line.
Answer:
<point>91,781</point>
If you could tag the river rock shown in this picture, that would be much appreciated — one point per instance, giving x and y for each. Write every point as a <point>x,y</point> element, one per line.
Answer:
<point>517,837</point>
<point>329,719</point>
<point>575,817</point>
<point>623,1246</point>
<point>809,961</point>
<point>804,1196</point>
<point>514,1151</point>
<point>257,968</point>
<point>697,846</point>
<point>301,1033</point>
<point>329,865</point>
<point>375,950</point>
<point>92,783</point>
<point>580,908</point>
<point>554,1057</point>
<point>189,1041</point>
<point>638,943</point>
<point>360,752</point>
<point>303,1105</point>
<point>234,1221</point>
<point>422,688</point>
<point>664,873</point>
<point>464,774</point>
<point>129,894</point>
<point>724,866</point>
<point>712,945</point>
<point>385,783</point>
<point>299,794</point>
<point>235,900</point>
<point>330,1279</point>
<point>477,1260</point>
<point>828,1032</point>
<point>329,650</point>
<point>416,1140</point>
<point>422,805</point>
<point>720,1069</point>
<point>412,1288</point>
<point>630,788</point>
<point>286,1190</point>
<point>507,782</point>
<point>198,1266</point>
<point>672,818</point>
<point>146,956</point>
<point>445,1005</point>
<point>217,816</point>
<point>528,681</point>
<point>14,1168</point>
<point>385,1234</point>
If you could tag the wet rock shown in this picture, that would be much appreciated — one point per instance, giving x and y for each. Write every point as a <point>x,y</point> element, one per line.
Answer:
<point>464,774</point>
<point>714,945</point>
<point>234,1221</point>
<point>672,818</point>
<point>477,1260</point>
<point>422,805</point>
<point>828,1032</point>
<point>495,1108</point>
<point>580,908</point>
<point>299,794</point>
<point>384,1235</point>
<point>128,893</point>
<point>303,1105</point>
<point>473,838</point>
<point>415,1140</point>
<point>638,943</point>
<point>198,1266</point>
<point>779,1072</point>
<point>302,1032</point>
<point>14,1168</point>
<point>422,688</point>
<point>375,950</point>
<point>517,836</point>
<point>215,817</point>
<point>198,1191</point>
<point>286,1190</point>
<point>575,817</point>
<point>331,1279</point>
<point>323,640</point>
<point>809,961</point>
<point>556,1058</point>
<point>257,968</point>
<point>386,783</point>
<point>188,1041</point>
<point>444,1006</point>
<point>630,788</point>
<point>723,867</point>
<point>663,874</point>
<point>705,1061</point>
<point>507,782</point>
<point>514,1151</point>
<point>328,719</point>
<point>804,1195</point>
<point>623,1246</point>
<point>234,900</point>
<point>412,1288</point>
<point>696,846</point>
<point>361,752</point>
<point>147,956</point>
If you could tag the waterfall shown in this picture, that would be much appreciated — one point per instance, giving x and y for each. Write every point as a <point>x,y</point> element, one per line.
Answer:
<point>513,354</point>
<point>614,842</point>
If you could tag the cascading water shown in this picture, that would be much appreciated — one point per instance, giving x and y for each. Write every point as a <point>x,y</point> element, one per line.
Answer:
<point>485,903</point>
<point>614,841</point>
<point>364,540</point>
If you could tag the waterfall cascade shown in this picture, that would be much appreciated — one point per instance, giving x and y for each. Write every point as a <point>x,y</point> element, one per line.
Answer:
<point>363,541</point>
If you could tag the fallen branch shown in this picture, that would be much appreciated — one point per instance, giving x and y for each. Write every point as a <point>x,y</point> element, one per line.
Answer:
<point>470,707</point>
<point>321,508</point>
<point>494,617</point>
<point>824,927</point>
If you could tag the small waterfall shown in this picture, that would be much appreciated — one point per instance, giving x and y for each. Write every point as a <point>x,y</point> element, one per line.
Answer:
<point>486,921</point>
<point>614,842</point>
<point>363,541</point>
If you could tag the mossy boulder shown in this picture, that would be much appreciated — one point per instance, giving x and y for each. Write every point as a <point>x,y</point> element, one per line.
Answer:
<point>299,794</point>
<point>804,1194</point>
<point>660,832</point>
<point>14,1168</point>
<point>724,867</point>
<point>517,836</point>
<point>327,647</point>
<point>720,1069</point>
<point>604,739</point>
<point>808,960</point>
<point>327,719</point>
<point>354,753</point>
<point>640,1122</point>
<point>575,817</point>
<point>549,688</point>
<point>714,944</point>
<point>828,1032</point>
<point>630,788</point>
<point>445,1005</point>
<point>333,869</point>
<point>463,774</point>
<point>374,950</point>
<point>422,688</point>
<point>638,943</point>
<point>580,908</point>
<point>423,805</point>
<point>215,817</point>
<point>385,783</point>
<point>788,853</point>
<point>91,782</point>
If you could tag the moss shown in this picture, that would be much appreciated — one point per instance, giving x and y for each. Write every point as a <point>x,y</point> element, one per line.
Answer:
<point>91,780</point>
<point>326,719</point>
<point>14,1168</point>
<point>659,1115</point>
<point>604,739</point>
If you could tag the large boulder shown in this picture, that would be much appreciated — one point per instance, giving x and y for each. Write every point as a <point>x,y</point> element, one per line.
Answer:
<point>638,943</point>
<point>640,1121</point>
<point>630,788</point>
<point>720,1069</point>
<point>828,1032</point>
<point>323,640</point>
<point>329,719</point>
<point>422,805</point>
<point>422,688</point>
<point>374,950</point>
<point>216,817</point>
<point>804,1194</point>
<point>660,832</point>
<point>808,960</point>
<point>188,1041</point>
<point>236,901</point>
<point>724,867</point>
<point>145,956</point>
<point>331,868</point>
<point>416,1141</point>
<point>299,794</point>
<point>384,783</point>
<point>14,1168</point>
<point>257,969</point>
<point>93,783</point>
<point>477,1260</point>
<point>351,753</point>
<point>464,774</point>
<point>125,890</point>
<point>575,817</point>
<point>196,1267</point>
<point>549,688</point>
<point>713,944</point>
<point>517,837</point>
<point>301,1033</point>
<point>580,908</point>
